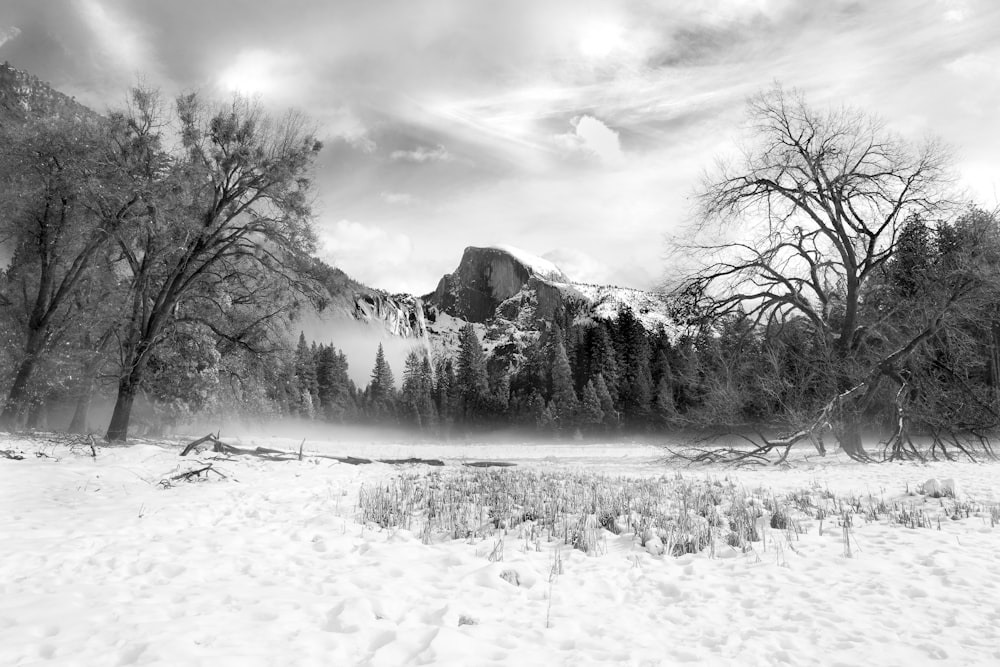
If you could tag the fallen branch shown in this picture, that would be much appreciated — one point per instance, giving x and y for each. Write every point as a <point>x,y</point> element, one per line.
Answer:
<point>220,447</point>
<point>398,462</point>
<point>267,453</point>
<point>350,460</point>
<point>723,456</point>
<point>261,452</point>
<point>489,464</point>
<point>207,468</point>
<point>208,438</point>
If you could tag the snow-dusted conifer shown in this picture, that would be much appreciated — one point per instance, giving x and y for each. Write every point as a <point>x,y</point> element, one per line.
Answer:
<point>591,413</point>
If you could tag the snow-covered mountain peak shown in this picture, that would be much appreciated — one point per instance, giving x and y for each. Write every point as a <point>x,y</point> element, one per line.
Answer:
<point>536,265</point>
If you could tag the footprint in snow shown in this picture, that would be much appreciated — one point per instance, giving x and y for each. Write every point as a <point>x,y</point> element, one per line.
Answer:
<point>934,651</point>
<point>131,654</point>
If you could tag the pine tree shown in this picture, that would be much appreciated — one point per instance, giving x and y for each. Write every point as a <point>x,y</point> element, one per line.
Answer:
<point>591,413</point>
<point>444,395</point>
<point>418,390</point>
<point>471,380</point>
<point>602,358</point>
<point>381,389</point>
<point>425,401</point>
<point>636,384</point>
<point>334,385</point>
<point>663,404</point>
<point>575,339</point>
<point>661,361</point>
<point>533,372</point>
<point>540,413</point>
<point>412,388</point>
<point>306,386</point>
<point>501,393</point>
<point>325,380</point>
<point>607,404</point>
<point>547,418</point>
<point>684,366</point>
<point>564,400</point>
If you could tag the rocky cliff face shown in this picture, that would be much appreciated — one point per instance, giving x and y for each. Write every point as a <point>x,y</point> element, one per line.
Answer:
<point>484,279</point>
<point>498,284</point>
<point>399,314</point>
<point>508,295</point>
<point>23,96</point>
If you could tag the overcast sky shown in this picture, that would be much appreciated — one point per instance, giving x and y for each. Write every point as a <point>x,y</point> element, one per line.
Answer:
<point>573,129</point>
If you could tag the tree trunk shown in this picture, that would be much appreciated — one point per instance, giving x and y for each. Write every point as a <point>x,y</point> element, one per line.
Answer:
<point>850,408</point>
<point>79,422</point>
<point>995,363</point>
<point>848,434</point>
<point>17,398</point>
<point>118,428</point>
<point>36,415</point>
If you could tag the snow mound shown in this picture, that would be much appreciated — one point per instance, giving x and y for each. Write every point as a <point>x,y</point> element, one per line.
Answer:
<point>939,488</point>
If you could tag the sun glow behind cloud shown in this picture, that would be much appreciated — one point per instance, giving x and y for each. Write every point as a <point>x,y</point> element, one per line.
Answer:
<point>257,72</point>
<point>599,38</point>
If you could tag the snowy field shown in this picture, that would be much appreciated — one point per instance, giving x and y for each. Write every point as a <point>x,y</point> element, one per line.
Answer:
<point>102,562</point>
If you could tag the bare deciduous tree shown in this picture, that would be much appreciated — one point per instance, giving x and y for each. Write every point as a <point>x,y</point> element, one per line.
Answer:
<point>810,216</point>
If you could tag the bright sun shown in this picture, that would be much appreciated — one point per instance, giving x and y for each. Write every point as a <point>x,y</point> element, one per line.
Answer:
<point>597,39</point>
<point>252,72</point>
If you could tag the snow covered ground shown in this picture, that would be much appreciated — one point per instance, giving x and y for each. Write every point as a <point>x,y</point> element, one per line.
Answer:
<point>101,563</point>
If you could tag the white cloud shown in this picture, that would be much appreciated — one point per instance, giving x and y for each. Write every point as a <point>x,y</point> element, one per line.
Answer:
<point>580,267</point>
<point>367,253</point>
<point>956,10</point>
<point>974,66</point>
<point>397,198</point>
<point>117,36</point>
<point>7,34</point>
<point>341,122</point>
<point>423,154</point>
<point>594,139</point>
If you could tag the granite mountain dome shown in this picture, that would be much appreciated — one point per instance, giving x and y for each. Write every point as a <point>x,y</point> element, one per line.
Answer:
<point>486,278</point>
<point>510,296</point>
